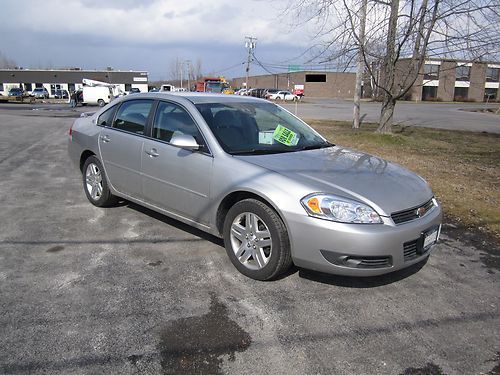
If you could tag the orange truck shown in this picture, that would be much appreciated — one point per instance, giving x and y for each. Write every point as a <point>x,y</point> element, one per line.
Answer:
<point>214,85</point>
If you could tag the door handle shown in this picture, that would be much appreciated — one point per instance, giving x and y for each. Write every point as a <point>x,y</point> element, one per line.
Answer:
<point>104,138</point>
<point>152,153</point>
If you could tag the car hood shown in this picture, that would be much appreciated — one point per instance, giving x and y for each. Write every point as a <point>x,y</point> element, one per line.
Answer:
<point>385,186</point>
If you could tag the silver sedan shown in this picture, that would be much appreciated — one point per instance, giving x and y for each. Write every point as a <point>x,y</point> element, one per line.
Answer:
<point>249,171</point>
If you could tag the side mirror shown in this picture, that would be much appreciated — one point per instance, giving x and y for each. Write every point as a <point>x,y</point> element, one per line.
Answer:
<point>184,141</point>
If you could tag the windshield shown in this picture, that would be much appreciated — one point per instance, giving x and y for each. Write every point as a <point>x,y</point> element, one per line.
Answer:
<point>258,128</point>
<point>215,87</point>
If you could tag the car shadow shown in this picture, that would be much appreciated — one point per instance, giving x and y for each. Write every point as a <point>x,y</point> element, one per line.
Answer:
<point>173,222</point>
<point>362,282</point>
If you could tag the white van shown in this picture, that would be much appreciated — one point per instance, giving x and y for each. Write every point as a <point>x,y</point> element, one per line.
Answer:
<point>96,95</point>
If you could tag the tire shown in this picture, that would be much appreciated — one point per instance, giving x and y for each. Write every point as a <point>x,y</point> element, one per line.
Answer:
<point>263,254</point>
<point>101,103</point>
<point>95,184</point>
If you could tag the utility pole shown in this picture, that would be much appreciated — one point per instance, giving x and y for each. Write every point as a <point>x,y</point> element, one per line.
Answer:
<point>250,44</point>
<point>181,69</point>
<point>188,63</point>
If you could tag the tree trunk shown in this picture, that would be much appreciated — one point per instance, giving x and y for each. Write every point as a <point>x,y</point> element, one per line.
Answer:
<point>388,104</point>
<point>361,65</point>
<point>386,115</point>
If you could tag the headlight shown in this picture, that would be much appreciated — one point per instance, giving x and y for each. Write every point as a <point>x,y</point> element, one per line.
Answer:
<point>338,209</point>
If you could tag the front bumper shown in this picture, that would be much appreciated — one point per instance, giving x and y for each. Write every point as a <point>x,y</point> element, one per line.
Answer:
<point>359,249</point>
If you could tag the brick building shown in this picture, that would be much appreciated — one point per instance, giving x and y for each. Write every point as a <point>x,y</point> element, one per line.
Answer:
<point>454,80</point>
<point>316,84</point>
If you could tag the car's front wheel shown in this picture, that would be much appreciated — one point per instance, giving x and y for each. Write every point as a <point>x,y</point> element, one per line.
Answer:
<point>101,103</point>
<point>95,183</point>
<point>256,240</point>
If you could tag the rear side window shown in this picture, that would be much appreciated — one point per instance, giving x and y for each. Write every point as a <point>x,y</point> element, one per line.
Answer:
<point>106,118</point>
<point>133,115</point>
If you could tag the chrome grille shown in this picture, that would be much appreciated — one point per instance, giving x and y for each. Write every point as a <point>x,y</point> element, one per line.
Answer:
<point>368,262</point>
<point>401,217</point>
<point>375,263</point>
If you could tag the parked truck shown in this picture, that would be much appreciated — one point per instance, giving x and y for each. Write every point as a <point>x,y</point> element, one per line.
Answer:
<point>97,92</point>
<point>214,85</point>
<point>96,95</point>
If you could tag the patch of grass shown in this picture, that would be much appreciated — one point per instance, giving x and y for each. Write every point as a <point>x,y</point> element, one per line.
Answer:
<point>463,168</point>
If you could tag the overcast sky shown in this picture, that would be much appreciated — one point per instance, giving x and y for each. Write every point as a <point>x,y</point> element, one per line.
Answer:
<point>149,34</point>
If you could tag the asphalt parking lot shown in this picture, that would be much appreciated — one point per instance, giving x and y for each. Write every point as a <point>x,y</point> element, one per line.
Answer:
<point>125,290</point>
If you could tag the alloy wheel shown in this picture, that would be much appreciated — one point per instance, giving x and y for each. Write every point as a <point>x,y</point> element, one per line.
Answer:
<point>251,241</point>
<point>93,181</point>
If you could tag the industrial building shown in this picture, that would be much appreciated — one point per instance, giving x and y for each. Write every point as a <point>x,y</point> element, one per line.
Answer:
<point>69,79</point>
<point>453,80</point>
<point>316,83</point>
<point>439,80</point>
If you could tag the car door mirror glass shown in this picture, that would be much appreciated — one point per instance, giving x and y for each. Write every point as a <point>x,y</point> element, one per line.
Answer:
<point>184,141</point>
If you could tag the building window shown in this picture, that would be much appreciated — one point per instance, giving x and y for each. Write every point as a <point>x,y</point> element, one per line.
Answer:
<point>490,94</point>
<point>461,94</point>
<point>38,85</point>
<point>128,87</point>
<point>28,87</point>
<point>492,74</point>
<point>1,86</point>
<point>462,73</point>
<point>315,77</point>
<point>429,92</point>
<point>71,87</point>
<point>431,72</point>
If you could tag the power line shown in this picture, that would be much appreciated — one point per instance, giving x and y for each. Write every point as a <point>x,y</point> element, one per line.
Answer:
<point>230,67</point>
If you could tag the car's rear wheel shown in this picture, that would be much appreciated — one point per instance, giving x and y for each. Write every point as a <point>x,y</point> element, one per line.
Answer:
<point>95,183</point>
<point>256,240</point>
<point>101,103</point>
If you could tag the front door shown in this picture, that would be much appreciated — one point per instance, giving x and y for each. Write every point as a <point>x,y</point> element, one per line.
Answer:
<point>175,179</point>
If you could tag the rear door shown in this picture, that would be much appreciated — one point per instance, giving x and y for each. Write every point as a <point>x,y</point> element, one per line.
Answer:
<point>121,143</point>
<point>175,179</point>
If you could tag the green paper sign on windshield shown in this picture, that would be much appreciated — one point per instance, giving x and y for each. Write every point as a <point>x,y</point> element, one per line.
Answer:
<point>285,136</point>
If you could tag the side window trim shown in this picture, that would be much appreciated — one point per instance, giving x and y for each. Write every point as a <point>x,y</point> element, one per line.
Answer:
<point>148,129</point>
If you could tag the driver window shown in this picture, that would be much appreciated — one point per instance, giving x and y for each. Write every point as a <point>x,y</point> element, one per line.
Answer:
<point>170,120</point>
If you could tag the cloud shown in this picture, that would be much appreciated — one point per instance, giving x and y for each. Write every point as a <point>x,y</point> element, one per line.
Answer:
<point>146,34</point>
<point>116,4</point>
<point>154,21</point>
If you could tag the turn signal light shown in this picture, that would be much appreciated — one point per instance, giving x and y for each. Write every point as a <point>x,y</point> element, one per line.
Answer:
<point>313,205</point>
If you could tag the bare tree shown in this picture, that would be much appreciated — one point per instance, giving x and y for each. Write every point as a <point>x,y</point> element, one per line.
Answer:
<point>180,69</point>
<point>196,69</point>
<point>361,65</point>
<point>400,35</point>
<point>174,69</point>
<point>6,62</point>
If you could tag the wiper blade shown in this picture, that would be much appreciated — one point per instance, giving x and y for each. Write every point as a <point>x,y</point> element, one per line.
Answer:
<point>316,146</point>
<point>253,151</point>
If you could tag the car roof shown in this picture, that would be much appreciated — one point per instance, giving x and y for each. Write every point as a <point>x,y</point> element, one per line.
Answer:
<point>201,97</point>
